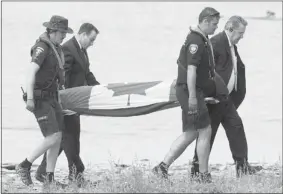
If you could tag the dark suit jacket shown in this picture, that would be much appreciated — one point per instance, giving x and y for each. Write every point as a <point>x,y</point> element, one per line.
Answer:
<point>224,65</point>
<point>76,66</point>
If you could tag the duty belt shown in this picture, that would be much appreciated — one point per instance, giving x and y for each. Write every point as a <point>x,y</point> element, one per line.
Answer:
<point>43,94</point>
<point>185,86</point>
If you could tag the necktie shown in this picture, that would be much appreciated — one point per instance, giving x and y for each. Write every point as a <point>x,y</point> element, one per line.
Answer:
<point>84,54</point>
<point>234,60</point>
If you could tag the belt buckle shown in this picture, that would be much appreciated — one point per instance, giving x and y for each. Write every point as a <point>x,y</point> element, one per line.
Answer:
<point>45,94</point>
<point>37,93</point>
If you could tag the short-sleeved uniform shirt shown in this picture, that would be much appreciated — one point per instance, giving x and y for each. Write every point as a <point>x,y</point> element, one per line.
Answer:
<point>47,75</point>
<point>194,52</point>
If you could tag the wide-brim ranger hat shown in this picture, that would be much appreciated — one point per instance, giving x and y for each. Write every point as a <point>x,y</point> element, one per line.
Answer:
<point>58,23</point>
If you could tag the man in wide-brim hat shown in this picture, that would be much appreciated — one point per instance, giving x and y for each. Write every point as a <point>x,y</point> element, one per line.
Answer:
<point>45,75</point>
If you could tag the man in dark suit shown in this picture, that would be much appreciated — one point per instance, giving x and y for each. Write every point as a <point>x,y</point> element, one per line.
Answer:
<point>77,73</point>
<point>229,66</point>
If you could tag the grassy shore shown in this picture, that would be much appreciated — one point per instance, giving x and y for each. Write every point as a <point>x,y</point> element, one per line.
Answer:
<point>137,178</point>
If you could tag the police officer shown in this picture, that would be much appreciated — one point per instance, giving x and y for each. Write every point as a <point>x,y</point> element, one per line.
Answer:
<point>194,83</point>
<point>45,76</point>
<point>77,73</point>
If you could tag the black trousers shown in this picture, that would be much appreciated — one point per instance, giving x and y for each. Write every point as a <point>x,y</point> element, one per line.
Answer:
<point>70,144</point>
<point>226,114</point>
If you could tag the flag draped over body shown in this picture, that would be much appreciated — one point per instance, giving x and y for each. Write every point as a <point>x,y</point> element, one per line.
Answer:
<point>120,99</point>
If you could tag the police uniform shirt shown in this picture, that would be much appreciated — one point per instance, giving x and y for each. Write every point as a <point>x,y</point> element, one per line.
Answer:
<point>43,56</point>
<point>195,50</point>
<point>197,55</point>
<point>39,53</point>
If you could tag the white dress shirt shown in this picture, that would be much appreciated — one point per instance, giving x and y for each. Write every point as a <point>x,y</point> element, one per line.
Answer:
<point>232,84</point>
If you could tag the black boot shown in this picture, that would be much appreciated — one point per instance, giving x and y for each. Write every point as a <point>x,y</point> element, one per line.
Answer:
<point>40,173</point>
<point>195,170</point>
<point>241,168</point>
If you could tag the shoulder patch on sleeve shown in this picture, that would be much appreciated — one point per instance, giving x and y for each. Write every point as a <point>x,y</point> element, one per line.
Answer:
<point>38,50</point>
<point>193,48</point>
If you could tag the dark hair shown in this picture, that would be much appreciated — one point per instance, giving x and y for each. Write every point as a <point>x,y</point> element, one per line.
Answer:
<point>208,13</point>
<point>87,28</point>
